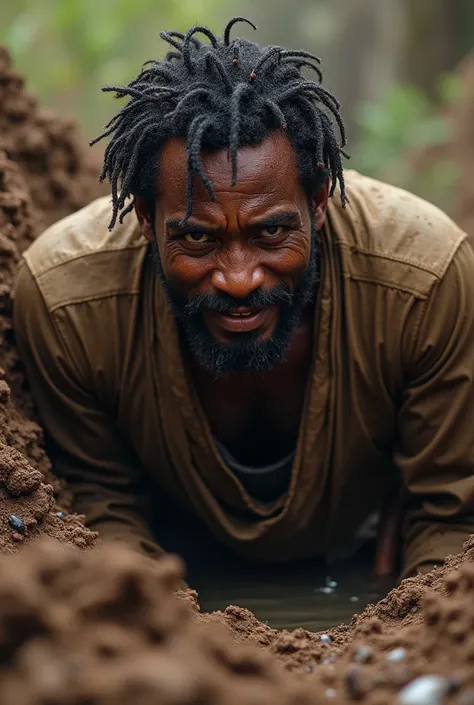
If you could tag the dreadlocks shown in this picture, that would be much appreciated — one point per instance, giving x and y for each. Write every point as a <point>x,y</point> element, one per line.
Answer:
<point>221,93</point>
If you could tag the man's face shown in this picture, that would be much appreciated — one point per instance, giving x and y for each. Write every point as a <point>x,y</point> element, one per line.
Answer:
<point>242,269</point>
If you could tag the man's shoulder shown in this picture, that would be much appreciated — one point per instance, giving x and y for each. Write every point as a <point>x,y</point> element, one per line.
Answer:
<point>392,237</point>
<point>79,259</point>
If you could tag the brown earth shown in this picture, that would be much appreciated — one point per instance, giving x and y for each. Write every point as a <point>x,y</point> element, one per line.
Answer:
<point>102,627</point>
<point>41,164</point>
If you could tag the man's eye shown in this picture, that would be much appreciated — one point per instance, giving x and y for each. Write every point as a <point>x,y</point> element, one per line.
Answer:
<point>272,231</point>
<point>196,238</point>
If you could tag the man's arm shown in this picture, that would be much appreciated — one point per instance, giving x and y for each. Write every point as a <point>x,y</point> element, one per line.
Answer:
<point>86,448</point>
<point>436,420</point>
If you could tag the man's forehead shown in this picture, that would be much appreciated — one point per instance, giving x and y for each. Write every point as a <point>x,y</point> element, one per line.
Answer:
<point>270,165</point>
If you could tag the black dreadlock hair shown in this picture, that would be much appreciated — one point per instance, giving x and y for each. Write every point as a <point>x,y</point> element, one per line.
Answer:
<point>225,93</point>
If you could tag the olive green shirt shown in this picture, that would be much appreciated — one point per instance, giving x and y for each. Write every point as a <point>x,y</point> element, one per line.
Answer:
<point>390,396</point>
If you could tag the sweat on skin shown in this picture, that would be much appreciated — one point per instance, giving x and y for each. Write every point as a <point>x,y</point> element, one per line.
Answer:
<point>345,352</point>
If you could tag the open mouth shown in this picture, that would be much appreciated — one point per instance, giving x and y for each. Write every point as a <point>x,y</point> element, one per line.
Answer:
<point>242,320</point>
<point>242,313</point>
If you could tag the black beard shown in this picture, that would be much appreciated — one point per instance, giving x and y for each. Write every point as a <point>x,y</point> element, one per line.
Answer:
<point>244,353</point>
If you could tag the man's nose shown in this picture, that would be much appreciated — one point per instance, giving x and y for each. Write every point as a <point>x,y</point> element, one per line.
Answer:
<point>237,275</point>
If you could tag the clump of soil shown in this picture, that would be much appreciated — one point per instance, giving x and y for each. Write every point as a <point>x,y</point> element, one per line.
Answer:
<point>38,153</point>
<point>28,507</point>
<point>422,628</point>
<point>16,417</point>
<point>103,628</point>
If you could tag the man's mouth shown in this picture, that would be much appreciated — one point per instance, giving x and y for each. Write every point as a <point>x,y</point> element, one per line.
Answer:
<point>241,320</point>
<point>242,312</point>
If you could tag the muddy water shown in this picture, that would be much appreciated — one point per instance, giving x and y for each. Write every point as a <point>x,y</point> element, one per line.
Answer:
<point>284,595</point>
<point>290,596</point>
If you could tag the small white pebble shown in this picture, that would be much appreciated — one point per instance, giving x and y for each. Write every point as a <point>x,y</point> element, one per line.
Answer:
<point>330,583</point>
<point>325,639</point>
<point>354,598</point>
<point>326,590</point>
<point>330,693</point>
<point>426,690</point>
<point>396,655</point>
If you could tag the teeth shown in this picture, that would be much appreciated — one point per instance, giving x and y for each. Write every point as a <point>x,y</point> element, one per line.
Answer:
<point>241,315</point>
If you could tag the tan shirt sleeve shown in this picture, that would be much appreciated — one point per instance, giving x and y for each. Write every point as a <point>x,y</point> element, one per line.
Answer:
<point>436,421</point>
<point>86,449</point>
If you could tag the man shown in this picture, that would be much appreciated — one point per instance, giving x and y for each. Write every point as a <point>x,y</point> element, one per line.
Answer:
<point>283,361</point>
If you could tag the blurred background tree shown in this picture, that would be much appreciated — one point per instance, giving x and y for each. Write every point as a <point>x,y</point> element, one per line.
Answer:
<point>391,62</point>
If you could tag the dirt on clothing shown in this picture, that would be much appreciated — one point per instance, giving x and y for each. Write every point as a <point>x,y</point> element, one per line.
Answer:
<point>102,626</point>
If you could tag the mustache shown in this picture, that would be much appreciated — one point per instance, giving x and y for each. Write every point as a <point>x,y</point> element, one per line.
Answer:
<point>256,300</point>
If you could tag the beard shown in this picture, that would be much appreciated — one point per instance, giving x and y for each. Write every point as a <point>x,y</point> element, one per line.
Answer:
<point>244,352</point>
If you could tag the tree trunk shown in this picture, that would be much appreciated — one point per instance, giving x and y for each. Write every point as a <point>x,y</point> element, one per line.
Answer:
<point>435,39</point>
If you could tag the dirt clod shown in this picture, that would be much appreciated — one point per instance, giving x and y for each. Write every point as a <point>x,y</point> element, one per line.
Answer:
<point>37,151</point>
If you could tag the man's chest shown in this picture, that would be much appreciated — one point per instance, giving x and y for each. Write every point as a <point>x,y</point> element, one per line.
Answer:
<point>258,420</point>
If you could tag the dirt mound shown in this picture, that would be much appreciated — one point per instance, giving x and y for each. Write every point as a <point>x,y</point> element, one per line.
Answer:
<point>103,628</point>
<point>420,637</point>
<point>37,509</point>
<point>39,153</point>
<point>28,507</point>
<point>46,173</point>
<point>424,628</point>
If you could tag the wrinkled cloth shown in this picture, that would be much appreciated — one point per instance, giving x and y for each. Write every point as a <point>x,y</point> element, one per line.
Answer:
<point>389,400</point>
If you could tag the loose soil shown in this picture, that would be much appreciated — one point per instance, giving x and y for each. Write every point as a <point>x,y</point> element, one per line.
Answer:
<point>102,626</point>
<point>38,153</point>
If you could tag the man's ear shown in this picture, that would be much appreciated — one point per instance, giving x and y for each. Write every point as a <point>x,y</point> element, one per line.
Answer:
<point>320,204</point>
<point>144,217</point>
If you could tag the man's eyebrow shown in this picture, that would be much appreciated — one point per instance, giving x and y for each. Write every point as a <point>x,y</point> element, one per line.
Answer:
<point>189,227</point>
<point>283,218</point>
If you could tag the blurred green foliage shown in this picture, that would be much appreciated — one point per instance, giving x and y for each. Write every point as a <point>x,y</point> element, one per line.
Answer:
<point>403,140</point>
<point>70,48</point>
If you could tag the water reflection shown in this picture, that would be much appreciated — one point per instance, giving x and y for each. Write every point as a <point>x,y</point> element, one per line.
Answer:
<point>286,596</point>
<point>290,596</point>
